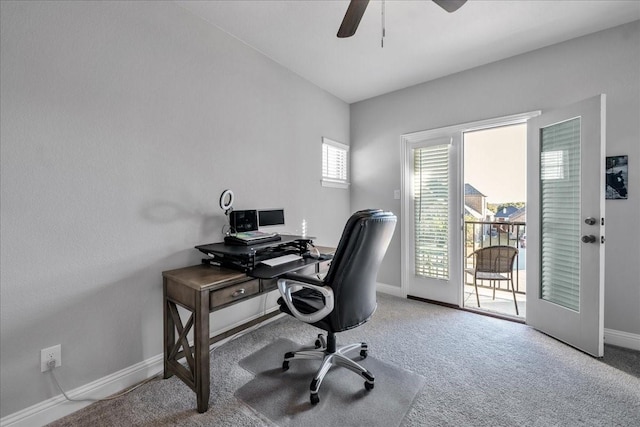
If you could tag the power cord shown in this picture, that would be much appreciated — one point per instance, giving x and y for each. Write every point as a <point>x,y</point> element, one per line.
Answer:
<point>51,364</point>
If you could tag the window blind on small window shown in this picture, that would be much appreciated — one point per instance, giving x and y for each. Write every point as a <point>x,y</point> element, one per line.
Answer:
<point>560,213</point>
<point>431,211</point>
<point>335,162</point>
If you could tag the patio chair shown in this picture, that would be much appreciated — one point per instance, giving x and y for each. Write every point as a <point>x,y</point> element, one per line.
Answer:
<point>493,263</point>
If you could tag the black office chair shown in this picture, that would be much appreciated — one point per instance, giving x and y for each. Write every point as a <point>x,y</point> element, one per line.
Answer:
<point>344,299</point>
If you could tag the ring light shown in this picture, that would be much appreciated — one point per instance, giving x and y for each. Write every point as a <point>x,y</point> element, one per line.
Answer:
<point>226,200</point>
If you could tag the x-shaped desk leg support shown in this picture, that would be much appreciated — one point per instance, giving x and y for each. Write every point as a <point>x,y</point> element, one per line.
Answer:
<point>196,372</point>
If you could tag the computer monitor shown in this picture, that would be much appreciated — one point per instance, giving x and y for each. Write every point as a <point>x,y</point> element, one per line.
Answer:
<point>242,221</point>
<point>269,217</point>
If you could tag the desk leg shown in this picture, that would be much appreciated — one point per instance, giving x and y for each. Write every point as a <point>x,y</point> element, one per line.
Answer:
<point>201,338</point>
<point>169,330</point>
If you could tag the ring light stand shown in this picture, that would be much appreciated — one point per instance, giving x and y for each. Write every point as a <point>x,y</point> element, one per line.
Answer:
<point>226,204</point>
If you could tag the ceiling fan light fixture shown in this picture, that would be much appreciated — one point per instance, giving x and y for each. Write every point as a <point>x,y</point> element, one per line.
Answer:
<point>356,9</point>
<point>352,18</point>
<point>450,5</point>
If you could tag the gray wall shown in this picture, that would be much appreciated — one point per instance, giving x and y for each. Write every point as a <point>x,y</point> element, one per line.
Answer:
<point>121,125</point>
<point>605,62</point>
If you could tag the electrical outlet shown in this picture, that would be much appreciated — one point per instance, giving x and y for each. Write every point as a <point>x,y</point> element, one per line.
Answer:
<point>51,353</point>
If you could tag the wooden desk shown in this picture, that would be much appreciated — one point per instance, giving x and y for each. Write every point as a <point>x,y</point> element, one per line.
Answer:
<point>202,289</point>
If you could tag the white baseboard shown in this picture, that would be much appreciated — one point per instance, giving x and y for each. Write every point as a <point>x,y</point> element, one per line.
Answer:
<point>390,289</point>
<point>57,407</point>
<point>622,339</point>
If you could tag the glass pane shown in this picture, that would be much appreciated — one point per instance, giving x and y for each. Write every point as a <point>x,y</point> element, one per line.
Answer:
<point>560,216</point>
<point>431,215</point>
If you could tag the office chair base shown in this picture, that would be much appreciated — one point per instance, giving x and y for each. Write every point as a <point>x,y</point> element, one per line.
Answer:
<point>329,359</point>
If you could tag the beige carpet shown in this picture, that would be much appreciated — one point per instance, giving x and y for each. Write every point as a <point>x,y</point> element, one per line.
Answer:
<point>480,372</point>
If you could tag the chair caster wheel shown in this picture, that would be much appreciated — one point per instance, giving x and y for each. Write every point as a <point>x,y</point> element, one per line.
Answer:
<point>368,385</point>
<point>363,354</point>
<point>314,398</point>
<point>320,341</point>
<point>285,365</point>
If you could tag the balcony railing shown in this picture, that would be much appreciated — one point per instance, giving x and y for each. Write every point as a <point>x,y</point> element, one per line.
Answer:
<point>480,234</point>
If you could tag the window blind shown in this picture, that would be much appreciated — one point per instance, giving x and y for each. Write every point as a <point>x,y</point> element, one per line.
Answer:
<point>431,215</point>
<point>335,162</point>
<point>560,204</point>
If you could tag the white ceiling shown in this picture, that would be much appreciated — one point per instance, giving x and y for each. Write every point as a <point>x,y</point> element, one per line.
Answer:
<point>422,43</point>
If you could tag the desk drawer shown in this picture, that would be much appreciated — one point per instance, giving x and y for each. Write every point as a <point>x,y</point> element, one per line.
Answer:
<point>269,284</point>
<point>323,266</point>
<point>312,270</point>
<point>233,293</point>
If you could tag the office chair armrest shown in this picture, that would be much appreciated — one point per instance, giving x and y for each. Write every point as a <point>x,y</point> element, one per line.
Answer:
<point>285,286</point>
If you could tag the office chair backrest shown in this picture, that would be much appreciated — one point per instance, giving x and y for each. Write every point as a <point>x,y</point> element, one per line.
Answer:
<point>354,268</point>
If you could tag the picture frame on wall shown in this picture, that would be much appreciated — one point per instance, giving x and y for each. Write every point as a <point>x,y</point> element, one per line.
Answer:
<point>617,173</point>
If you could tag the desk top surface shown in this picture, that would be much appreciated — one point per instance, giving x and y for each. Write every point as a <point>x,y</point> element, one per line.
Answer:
<point>202,277</point>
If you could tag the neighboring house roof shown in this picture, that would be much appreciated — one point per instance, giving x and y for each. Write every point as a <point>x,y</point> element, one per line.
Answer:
<point>470,190</point>
<point>506,212</point>
<point>474,213</point>
<point>519,215</point>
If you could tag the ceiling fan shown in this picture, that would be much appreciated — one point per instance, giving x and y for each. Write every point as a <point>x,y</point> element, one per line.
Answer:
<point>356,9</point>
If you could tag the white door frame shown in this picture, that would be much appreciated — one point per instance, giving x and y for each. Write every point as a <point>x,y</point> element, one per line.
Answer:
<point>454,132</point>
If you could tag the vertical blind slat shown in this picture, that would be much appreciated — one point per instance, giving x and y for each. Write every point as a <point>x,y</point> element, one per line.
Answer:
<point>560,204</point>
<point>431,214</point>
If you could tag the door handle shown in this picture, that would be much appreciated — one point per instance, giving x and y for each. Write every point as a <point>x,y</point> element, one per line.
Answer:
<point>589,239</point>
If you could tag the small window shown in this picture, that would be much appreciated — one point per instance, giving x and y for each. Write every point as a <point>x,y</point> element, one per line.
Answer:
<point>335,164</point>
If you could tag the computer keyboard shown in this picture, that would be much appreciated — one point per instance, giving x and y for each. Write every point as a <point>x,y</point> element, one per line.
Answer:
<point>272,262</point>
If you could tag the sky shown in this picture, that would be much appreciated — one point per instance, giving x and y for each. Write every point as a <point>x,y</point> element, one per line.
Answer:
<point>495,163</point>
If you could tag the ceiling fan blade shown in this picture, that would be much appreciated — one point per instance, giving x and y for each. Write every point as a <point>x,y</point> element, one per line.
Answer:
<point>450,5</point>
<point>352,18</point>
